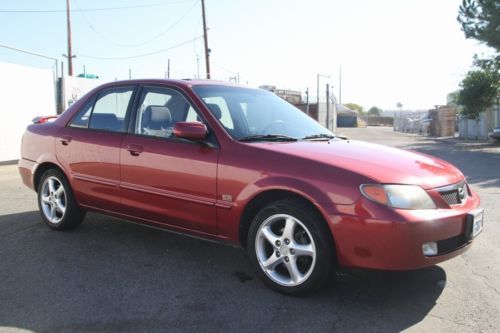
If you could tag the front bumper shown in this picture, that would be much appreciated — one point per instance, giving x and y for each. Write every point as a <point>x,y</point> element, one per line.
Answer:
<point>365,240</point>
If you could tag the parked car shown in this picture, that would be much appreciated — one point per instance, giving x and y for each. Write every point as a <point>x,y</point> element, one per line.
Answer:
<point>243,166</point>
<point>496,134</point>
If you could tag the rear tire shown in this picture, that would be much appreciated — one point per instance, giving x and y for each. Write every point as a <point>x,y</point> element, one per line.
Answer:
<point>56,202</point>
<point>291,247</point>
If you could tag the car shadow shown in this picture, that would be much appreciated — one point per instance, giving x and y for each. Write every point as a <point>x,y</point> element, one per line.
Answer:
<point>108,275</point>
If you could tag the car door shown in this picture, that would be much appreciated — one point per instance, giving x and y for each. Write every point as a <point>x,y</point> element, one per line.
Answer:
<point>165,179</point>
<point>89,147</point>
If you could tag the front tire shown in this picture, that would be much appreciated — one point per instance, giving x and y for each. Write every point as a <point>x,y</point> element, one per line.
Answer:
<point>291,247</point>
<point>56,202</point>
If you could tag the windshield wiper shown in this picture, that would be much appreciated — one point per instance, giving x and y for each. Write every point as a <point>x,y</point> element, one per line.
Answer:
<point>267,137</point>
<point>319,136</point>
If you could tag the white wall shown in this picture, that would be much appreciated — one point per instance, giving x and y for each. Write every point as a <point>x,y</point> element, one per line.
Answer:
<point>25,93</point>
<point>75,87</point>
<point>480,129</point>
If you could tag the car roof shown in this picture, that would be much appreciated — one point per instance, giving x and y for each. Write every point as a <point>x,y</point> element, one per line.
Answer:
<point>186,83</point>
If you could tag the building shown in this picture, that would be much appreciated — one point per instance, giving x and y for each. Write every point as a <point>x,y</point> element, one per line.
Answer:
<point>291,96</point>
<point>324,113</point>
<point>346,117</point>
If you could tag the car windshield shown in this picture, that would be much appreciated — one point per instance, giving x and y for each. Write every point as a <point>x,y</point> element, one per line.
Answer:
<point>254,114</point>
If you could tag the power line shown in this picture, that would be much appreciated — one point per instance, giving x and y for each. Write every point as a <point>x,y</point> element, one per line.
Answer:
<point>229,71</point>
<point>224,68</point>
<point>141,43</point>
<point>22,11</point>
<point>195,33</point>
<point>33,53</point>
<point>140,55</point>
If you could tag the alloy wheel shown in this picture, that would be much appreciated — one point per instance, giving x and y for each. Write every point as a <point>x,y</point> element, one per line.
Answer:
<point>53,200</point>
<point>285,250</point>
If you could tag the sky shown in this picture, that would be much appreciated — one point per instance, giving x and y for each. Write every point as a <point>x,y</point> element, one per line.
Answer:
<point>390,51</point>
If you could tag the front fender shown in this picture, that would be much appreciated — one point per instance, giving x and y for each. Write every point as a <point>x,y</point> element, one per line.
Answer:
<point>229,217</point>
<point>294,185</point>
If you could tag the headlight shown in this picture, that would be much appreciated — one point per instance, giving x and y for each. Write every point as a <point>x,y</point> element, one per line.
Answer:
<point>496,130</point>
<point>398,196</point>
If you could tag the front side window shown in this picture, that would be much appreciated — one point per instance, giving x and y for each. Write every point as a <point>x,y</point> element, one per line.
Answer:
<point>160,109</point>
<point>110,109</point>
<point>220,110</point>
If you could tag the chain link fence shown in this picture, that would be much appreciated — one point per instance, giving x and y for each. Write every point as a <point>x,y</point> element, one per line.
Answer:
<point>412,122</point>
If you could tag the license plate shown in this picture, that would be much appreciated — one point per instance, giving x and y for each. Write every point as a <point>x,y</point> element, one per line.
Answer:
<point>474,223</point>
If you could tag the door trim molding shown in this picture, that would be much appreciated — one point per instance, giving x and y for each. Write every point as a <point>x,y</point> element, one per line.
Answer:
<point>94,179</point>
<point>168,194</point>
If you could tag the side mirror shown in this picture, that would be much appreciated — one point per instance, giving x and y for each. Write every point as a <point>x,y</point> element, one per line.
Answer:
<point>190,130</point>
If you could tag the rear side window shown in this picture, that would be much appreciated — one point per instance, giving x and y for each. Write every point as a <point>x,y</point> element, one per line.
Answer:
<point>110,109</point>
<point>83,116</point>
<point>106,112</point>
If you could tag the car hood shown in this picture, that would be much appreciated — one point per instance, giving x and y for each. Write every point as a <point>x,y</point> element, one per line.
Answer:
<point>381,163</point>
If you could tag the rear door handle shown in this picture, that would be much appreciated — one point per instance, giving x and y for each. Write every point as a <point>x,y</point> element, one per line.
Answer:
<point>65,140</point>
<point>135,150</point>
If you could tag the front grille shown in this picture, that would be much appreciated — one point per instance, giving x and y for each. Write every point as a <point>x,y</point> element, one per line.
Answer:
<point>451,197</point>
<point>454,194</point>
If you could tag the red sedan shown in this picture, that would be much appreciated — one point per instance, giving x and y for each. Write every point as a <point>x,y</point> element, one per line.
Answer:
<point>242,166</point>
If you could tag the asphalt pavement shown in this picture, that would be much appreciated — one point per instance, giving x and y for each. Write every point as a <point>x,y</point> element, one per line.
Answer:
<point>112,276</point>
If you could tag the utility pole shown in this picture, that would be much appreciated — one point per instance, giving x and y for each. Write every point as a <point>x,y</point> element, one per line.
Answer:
<point>205,38</point>
<point>317,92</point>
<point>70,54</point>
<point>130,74</point>
<point>317,86</point>
<point>317,95</point>
<point>327,106</point>
<point>168,69</point>
<point>307,101</point>
<point>340,84</point>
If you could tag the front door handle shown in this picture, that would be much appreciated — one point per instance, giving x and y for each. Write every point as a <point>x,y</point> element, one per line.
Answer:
<point>65,140</point>
<point>135,150</point>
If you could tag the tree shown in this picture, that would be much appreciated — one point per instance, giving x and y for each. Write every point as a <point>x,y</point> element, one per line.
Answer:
<point>480,19</point>
<point>478,92</point>
<point>375,111</point>
<point>490,65</point>
<point>355,107</point>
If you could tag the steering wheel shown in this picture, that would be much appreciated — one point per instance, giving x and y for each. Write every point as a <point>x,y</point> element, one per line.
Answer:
<point>273,124</point>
